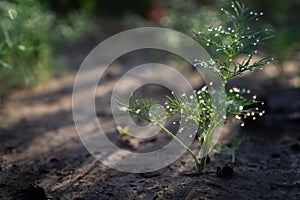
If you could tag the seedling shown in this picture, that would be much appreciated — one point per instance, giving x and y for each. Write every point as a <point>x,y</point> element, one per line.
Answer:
<point>122,131</point>
<point>123,134</point>
<point>230,150</point>
<point>231,41</point>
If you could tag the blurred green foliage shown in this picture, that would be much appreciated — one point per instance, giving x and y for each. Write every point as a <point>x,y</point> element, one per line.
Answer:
<point>190,16</point>
<point>25,50</point>
<point>119,8</point>
<point>30,34</point>
<point>115,8</point>
<point>32,31</point>
<point>282,16</point>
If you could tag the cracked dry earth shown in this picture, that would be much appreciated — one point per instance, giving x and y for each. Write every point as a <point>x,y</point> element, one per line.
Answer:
<point>41,155</point>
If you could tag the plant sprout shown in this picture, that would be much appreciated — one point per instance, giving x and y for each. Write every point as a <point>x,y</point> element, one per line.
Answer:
<point>230,150</point>
<point>231,40</point>
<point>122,131</point>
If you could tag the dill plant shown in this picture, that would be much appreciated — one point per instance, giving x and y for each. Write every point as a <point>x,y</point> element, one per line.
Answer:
<point>234,39</point>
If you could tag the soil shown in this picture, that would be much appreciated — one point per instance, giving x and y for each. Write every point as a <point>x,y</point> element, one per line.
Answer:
<point>41,155</point>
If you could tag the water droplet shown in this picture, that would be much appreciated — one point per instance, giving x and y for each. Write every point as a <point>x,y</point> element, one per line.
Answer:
<point>242,124</point>
<point>261,13</point>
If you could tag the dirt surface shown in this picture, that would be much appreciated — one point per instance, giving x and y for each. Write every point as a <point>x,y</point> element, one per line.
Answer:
<point>41,155</point>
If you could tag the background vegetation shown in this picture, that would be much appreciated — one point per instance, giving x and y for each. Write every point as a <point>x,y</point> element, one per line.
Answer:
<point>32,33</point>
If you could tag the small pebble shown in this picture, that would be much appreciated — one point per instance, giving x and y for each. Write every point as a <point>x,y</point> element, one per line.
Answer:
<point>226,171</point>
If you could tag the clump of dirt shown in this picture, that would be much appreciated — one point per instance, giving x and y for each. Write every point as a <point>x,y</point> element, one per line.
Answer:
<point>226,171</point>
